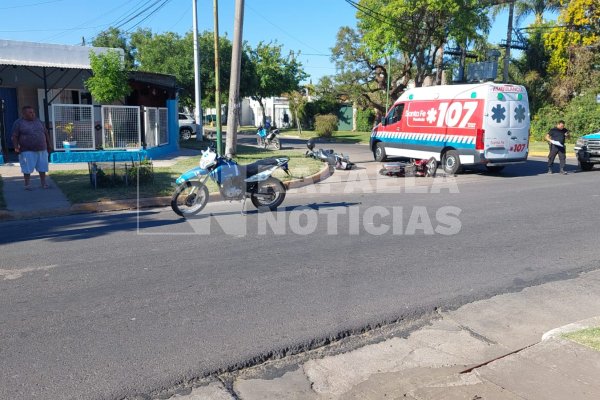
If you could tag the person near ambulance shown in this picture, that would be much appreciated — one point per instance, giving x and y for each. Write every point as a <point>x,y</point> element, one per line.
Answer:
<point>556,139</point>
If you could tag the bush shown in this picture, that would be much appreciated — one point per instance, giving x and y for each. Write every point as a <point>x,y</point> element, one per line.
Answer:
<point>581,116</point>
<point>365,120</point>
<point>325,125</point>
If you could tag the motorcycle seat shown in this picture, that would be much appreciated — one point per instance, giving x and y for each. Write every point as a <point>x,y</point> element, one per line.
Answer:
<point>258,166</point>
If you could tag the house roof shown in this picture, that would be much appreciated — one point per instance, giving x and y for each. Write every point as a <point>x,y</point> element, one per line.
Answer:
<point>48,55</point>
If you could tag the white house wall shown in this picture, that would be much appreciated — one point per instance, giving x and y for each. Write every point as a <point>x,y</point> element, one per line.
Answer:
<point>275,108</point>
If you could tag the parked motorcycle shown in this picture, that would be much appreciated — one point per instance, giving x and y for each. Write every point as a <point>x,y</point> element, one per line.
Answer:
<point>236,182</point>
<point>267,137</point>
<point>339,161</point>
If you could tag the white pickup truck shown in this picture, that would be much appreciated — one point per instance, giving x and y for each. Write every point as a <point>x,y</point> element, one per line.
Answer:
<point>187,126</point>
<point>588,151</point>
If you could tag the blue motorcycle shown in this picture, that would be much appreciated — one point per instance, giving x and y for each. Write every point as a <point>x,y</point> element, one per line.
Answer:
<point>236,182</point>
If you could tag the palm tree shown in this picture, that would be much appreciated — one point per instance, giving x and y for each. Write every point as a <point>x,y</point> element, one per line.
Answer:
<point>525,8</point>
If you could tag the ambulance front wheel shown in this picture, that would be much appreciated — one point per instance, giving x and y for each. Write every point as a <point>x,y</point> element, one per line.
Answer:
<point>451,162</point>
<point>379,152</point>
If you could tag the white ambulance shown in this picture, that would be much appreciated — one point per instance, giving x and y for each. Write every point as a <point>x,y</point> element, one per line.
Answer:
<point>476,124</point>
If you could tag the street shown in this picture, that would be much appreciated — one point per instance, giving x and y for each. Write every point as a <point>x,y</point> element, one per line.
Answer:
<point>103,306</point>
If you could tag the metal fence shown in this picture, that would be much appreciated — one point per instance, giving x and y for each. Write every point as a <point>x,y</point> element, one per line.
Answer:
<point>73,123</point>
<point>155,124</point>
<point>121,127</point>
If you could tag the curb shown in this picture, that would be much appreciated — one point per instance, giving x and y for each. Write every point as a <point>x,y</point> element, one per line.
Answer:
<point>574,327</point>
<point>148,202</point>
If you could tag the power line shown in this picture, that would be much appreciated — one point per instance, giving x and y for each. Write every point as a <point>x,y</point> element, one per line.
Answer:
<point>30,5</point>
<point>282,30</point>
<point>165,2</point>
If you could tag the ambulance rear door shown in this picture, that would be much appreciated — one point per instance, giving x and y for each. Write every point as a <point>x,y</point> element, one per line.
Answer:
<point>506,125</point>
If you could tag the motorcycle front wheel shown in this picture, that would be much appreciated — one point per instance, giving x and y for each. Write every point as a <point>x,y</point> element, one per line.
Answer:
<point>268,194</point>
<point>189,198</point>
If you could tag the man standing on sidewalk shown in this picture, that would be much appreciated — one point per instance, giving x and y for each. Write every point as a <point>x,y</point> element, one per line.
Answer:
<point>32,143</point>
<point>556,139</point>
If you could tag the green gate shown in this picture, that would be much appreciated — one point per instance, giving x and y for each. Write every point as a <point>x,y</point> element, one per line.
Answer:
<point>344,115</point>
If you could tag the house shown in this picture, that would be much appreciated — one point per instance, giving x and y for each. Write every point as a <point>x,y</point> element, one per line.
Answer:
<point>51,78</point>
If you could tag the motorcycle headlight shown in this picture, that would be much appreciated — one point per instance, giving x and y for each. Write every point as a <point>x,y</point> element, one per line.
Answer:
<point>207,160</point>
<point>582,142</point>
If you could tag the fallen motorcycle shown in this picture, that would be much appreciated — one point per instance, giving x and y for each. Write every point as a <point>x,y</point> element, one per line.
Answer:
<point>236,182</point>
<point>339,161</point>
<point>422,168</point>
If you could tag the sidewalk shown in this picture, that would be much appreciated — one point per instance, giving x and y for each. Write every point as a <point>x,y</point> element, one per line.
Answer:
<point>489,349</point>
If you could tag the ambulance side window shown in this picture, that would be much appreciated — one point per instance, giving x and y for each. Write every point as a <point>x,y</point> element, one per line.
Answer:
<point>395,115</point>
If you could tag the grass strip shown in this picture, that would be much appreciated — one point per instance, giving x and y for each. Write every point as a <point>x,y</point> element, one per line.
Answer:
<point>589,337</point>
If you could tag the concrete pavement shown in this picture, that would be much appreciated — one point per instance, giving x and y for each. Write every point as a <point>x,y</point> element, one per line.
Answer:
<point>490,349</point>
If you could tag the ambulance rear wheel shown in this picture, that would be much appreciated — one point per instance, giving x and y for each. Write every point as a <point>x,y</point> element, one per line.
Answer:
<point>451,162</point>
<point>379,152</point>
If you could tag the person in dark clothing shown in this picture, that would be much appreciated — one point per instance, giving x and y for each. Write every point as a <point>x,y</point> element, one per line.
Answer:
<point>556,139</point>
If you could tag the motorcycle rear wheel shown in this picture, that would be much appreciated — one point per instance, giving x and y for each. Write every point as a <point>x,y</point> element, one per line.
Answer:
<point>269,194</point>
<point>277,144</point>
<point>189,198</point>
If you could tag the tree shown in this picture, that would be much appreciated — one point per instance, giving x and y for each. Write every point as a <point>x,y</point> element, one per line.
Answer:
<point>297,107</point>
<point>109,81</point>
<point>418,29</point>
<point>275,73</point>
<point>537,8</point>
<point>170,53</point>
<point>362,76</point>
<point>114,38</point>
<point>578,25</point>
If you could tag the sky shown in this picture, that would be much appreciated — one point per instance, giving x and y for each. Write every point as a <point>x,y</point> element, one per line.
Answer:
<point>308,26</point>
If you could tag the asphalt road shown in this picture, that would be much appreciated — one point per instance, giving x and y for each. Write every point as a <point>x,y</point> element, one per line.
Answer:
<point>110,305</point>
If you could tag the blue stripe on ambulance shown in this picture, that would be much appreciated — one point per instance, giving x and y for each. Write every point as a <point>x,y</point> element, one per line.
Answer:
<point>420,139</point>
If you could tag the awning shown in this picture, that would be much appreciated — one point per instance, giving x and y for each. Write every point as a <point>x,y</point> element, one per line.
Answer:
<point>48,55</point>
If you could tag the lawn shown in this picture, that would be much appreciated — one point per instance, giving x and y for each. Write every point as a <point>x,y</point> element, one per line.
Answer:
<point>76,184</point>
<point>589,337</point>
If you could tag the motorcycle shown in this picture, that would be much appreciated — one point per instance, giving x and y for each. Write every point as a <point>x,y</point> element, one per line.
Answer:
<point>267,136</point>
<point>419,167</point>
<point>339,161</point>
<point>236,182</point>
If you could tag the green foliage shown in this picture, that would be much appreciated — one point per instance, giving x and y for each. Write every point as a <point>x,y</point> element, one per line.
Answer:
<point>325,125</point>
<point>581,116</point>
<point>314,108</point>
<point>418,30</point>
<point>275,73</point>
<point>115,38</point>
<point>109,81</point>
<point>141,172</point>
<point>365,120</point>
<point>582,17</point>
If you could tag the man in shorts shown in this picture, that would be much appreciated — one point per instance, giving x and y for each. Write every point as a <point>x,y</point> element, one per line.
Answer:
<point>32,142</point>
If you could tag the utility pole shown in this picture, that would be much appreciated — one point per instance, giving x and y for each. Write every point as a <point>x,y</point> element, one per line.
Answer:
<point>198,99</point>
<point>234,83</point>
<point>511,9</point>
<point>217,88</point>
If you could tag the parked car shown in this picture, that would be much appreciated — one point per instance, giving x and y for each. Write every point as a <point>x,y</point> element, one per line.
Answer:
<point>187,126</point>
<point>588,151</point>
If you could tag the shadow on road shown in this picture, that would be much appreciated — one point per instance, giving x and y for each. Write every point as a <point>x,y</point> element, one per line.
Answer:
<point>78,227</point>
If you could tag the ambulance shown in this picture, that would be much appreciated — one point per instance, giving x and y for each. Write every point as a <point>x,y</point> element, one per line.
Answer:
<point>459,125</point>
